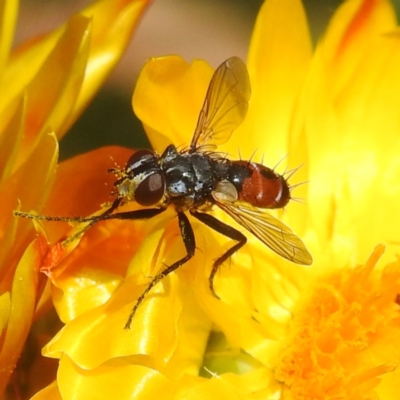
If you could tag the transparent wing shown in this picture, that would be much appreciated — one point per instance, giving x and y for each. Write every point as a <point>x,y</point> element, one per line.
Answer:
<point>225,105</point>
<point>276,235</point>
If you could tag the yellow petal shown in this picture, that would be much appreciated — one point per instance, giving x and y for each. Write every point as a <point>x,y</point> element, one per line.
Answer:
<point>353,167</point>
<point>104,325</point>
<point>109,319</point>
<point>61,85</point>
<point>22,307</point>
<point>280,40</point>
<point>168,99</point>
<point>113,25</point>
<point>8,16</point>
<point>216,388</point>
<point>5,304</point>
<point>354,27</point>
<point>23,65</point>
<point>51,392</point>
<point>186,328</point>
<point>259,383</point>
<point>10,141</point>
<point>135,381</point>
<point>192,330</point>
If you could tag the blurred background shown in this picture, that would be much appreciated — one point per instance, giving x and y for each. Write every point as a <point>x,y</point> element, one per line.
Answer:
<point>208,29</point>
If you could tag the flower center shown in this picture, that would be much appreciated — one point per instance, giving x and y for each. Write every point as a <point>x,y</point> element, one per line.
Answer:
<point>341,333</point>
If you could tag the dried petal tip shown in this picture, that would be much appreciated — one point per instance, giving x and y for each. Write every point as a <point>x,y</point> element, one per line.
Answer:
<point>345,335</point>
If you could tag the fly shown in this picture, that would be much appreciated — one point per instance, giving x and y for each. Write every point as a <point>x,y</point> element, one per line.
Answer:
<point>195,179</point>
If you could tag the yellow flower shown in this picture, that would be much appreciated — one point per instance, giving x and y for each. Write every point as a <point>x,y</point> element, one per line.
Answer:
<point>279,331</point>
<point>46,83</point>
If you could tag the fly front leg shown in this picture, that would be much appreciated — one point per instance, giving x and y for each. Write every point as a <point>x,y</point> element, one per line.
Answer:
<point>190,245</point>
<point>225,230</point>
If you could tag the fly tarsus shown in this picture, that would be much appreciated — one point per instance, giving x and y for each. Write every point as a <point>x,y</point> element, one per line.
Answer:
<point>225,230</point>
<point>190,245</point>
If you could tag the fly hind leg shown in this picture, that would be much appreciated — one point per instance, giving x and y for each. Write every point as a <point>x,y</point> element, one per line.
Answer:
<point>190,245</point>
<point>225,230</point>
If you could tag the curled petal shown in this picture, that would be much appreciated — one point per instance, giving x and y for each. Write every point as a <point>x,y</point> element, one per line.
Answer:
<point>168,98</point>
<point>137,381</point>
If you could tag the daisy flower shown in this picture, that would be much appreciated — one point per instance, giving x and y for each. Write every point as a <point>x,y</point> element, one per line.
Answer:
<point>279,330</point>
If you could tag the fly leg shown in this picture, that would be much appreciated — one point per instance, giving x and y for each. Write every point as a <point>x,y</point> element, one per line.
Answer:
<point>93,220</point>
<point>115,204</point>
<point>225,230</point>
<point>136,214</point>
<point>190,245</point>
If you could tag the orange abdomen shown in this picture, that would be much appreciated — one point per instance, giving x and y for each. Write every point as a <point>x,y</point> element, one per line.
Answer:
<point>263,187</point>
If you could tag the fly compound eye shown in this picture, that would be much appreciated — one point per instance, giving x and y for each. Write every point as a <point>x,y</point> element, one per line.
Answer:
<point>151,190</point>
<point>138,159</point>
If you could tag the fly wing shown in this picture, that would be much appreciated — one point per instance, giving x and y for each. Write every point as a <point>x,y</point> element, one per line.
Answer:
<point>225,105</point>
<point>272,232</point>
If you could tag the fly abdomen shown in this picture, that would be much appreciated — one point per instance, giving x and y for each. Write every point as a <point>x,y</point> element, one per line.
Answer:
<point>258,185</point>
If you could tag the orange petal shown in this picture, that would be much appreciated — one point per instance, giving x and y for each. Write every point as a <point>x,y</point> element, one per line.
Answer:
<point>344,334</point>
<point>82,197</point>
<point>91,273</point>
<point>30,184</point>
